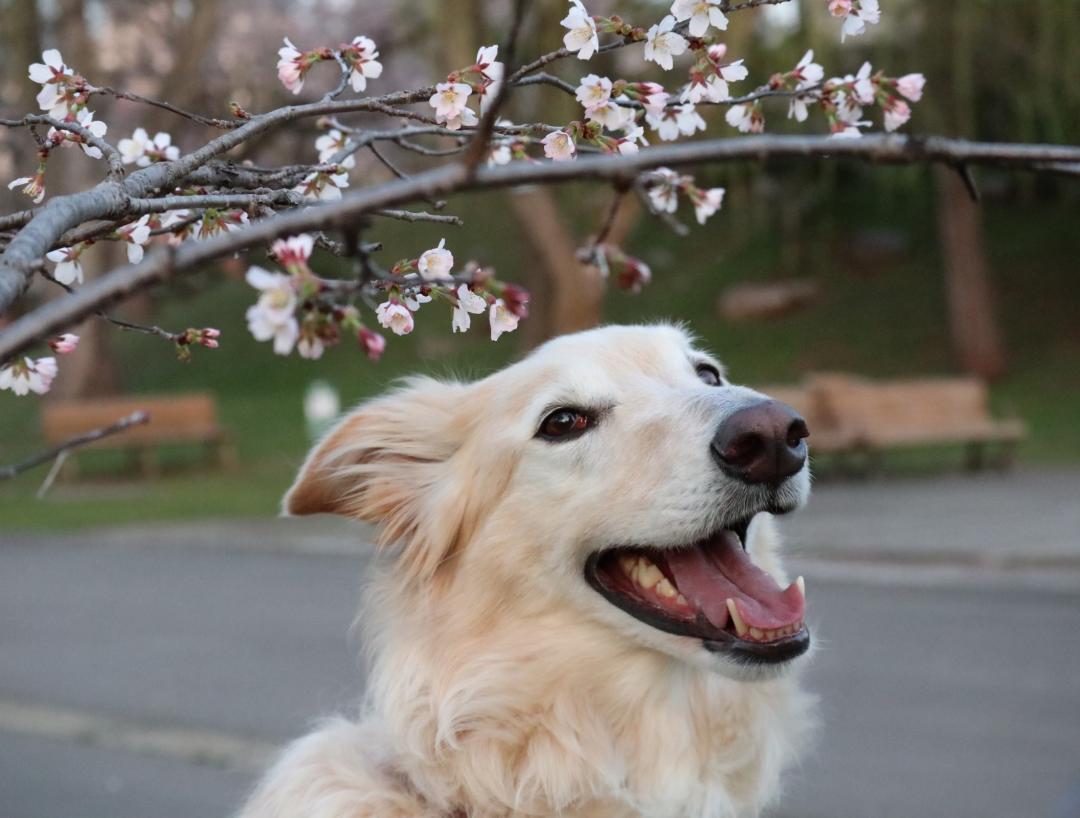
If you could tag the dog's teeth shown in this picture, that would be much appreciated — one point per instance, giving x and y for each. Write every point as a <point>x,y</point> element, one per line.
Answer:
<point>800,583</point>
<point>736,618</point>
<point>665,588</point>
<point>757,633</point>
<point>682,600</point>
<point>648,574</point>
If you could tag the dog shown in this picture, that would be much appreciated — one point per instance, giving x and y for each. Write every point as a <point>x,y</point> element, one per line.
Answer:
<point>582,611</point>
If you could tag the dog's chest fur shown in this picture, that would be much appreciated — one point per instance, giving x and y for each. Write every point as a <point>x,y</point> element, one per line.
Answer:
<point>592,731</point>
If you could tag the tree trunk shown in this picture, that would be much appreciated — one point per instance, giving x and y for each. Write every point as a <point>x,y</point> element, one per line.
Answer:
<point>976,337</point>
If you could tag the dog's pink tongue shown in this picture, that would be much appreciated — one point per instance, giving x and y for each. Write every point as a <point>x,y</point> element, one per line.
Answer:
<point>709,574</point>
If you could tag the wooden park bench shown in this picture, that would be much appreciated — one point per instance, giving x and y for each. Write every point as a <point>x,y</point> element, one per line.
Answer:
<point>914,412</point>
<point>852,415</point>
<point>174,419</point>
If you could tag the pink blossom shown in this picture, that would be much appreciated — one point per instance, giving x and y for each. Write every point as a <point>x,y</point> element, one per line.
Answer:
<point>293,252</point>
<point>897,112</point>
<point>501,319</point>
<point>435,263</point>
<point>291,67</point>
<point>64,344</point>
<point>395,316</point>
<point>559,145</point>
<point>911,86</point>
<point>581,33</point>
<point>612,116</point>
<point>839,8</point>
<point>516,299</point>
<point>371,342</point>
<point>662,44</point>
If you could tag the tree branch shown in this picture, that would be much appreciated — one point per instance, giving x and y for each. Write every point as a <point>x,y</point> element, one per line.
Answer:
<point>163,263</point>
<point>134,419</point>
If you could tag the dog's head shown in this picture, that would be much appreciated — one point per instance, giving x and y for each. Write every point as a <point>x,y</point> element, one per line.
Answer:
<point>614,473</point>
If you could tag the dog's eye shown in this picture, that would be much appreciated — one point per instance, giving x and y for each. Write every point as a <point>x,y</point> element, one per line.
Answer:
<point>565,424</point>
<point>709,374</point>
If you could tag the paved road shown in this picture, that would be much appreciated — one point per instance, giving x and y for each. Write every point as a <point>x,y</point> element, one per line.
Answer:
<point>138,681</point>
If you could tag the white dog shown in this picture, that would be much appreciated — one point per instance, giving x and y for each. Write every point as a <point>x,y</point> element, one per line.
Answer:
<point>579,618</point>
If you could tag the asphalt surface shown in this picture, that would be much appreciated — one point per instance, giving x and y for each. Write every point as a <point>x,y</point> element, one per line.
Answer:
<point>151,676</point>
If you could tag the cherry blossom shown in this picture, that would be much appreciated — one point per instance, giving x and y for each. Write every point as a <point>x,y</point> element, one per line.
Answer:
<point>581,35</point>
<point>559,145</point>
<point>66,139</point>
<point>516,299</point>
<point>593,90</point>
<point>272,316</point>
<point>911,86</point>
<point>371,342</point>
<point>701,14</point>
<point>68,269</point>
<point>651,95</point>
<point>857,14</point>
<point>310,345</point>
<point>664,184</point>
<point>142,150</point>
<point>293,252</point>
<point>678,119</point>
<point>136,235</point>
<point>323,186</point>
<point>28,375</point>
<point>291,67</point>
<point>330,144</point>
<point>32,186</point>
<point>395,316</point>
<point>632,274</point>
<point>362,58</point>
<point>492,70</point>
<point>706,202</point>
<point>64,344</point>
<point>662,44</point>
<point>54,77</point>
<point>501,318</point>
<point>449,101</point>
<point>747,117</point>
<point>612,116</point>
<point>414,301</point>
<point>467,302</point>
<point>501,154</point>
<point>897,112</point>
<point>435,263</point>
<point>466,117</point>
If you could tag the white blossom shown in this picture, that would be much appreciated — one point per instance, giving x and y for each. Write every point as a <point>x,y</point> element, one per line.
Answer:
<point>449,101</point>
<point>612,116</point>
<point>273,317</point>
<point>364,61</point>
<point>664,190</point>
<point>53,75</point>
<point>136,235</point>
<point>330,144</point>
<point>501,319</point>
<point>858,14</point>
<point>679,119</point>
<point>435,263</point>
<point>911,86</point>
<point>708,203</point>
<point>701,14</point>
<point>68,269</point>
<point>323,186</point>
<point>581,35</point>
<point>662,44</point>
<point>897,112</point>
<point>559,145</point>
<point>394,316</point>
<point>28,375</point>
<point>32,186</point>
<point>467,302</point>
<point>593,90</point>
<point>745,117</point>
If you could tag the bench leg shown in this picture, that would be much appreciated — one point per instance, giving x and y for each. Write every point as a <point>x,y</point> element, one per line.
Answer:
<point>976,456</point>
<point>1007,455</point>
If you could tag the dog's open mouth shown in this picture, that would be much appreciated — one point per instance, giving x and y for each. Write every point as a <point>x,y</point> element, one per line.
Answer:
<point>709,590</point>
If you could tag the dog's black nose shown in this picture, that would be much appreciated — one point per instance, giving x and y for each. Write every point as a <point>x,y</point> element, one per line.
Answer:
<point>762,443</point>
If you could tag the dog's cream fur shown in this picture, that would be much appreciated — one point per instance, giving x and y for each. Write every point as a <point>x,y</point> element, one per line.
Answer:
<point>501,683</point>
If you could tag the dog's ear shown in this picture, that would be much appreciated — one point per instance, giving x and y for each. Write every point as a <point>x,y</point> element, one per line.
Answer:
<point>392,462</point>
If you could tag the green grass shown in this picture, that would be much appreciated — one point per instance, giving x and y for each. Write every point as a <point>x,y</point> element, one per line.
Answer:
<point>885,317</point>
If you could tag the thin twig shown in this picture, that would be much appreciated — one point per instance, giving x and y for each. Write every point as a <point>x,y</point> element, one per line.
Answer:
<point>134,419</point>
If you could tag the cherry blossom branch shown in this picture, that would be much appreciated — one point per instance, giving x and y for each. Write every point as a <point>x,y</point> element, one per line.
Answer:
<point>212,122</point>
<point>14,469</point>
<point>112,155</point>
<point>419,216</point>
<point>164,263</point>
